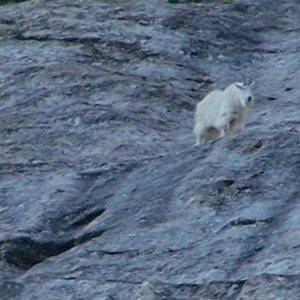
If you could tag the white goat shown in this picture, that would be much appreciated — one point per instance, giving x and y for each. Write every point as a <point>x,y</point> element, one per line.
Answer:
<point>221,112</point>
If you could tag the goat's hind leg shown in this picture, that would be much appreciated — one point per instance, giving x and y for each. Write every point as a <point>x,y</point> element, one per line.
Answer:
<point>199,132</point>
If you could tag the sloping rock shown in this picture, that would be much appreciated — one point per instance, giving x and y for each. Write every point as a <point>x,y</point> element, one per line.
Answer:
<point>102,192</point>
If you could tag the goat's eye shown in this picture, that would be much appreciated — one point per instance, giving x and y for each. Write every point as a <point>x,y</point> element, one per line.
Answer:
<point>249,98</point>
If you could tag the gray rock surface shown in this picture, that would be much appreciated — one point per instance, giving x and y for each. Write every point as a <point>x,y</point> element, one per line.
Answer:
<point>102,192</point>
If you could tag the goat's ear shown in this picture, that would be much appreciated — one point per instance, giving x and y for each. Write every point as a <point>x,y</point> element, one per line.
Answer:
<point>252,84</point>
<point>240,86</point>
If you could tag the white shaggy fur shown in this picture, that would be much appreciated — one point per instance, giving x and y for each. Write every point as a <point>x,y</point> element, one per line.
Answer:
<point>222,112</point>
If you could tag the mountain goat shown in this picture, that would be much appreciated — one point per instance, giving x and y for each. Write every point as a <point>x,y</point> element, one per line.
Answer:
<point>222,112</point>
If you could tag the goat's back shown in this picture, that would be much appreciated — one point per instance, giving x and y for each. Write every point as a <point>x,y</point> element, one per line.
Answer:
<point>209,102</point>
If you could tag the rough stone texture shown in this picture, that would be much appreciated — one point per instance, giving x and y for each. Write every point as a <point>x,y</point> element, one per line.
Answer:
<point>102,192</point>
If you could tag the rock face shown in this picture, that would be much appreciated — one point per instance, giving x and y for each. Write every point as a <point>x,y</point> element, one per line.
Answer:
<point>102,192</point>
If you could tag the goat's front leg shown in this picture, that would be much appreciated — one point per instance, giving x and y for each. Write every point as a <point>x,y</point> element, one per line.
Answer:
<point>224,129</point>
<point>223,125</point>
<point>238,125</point>
<point>222,132</point>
